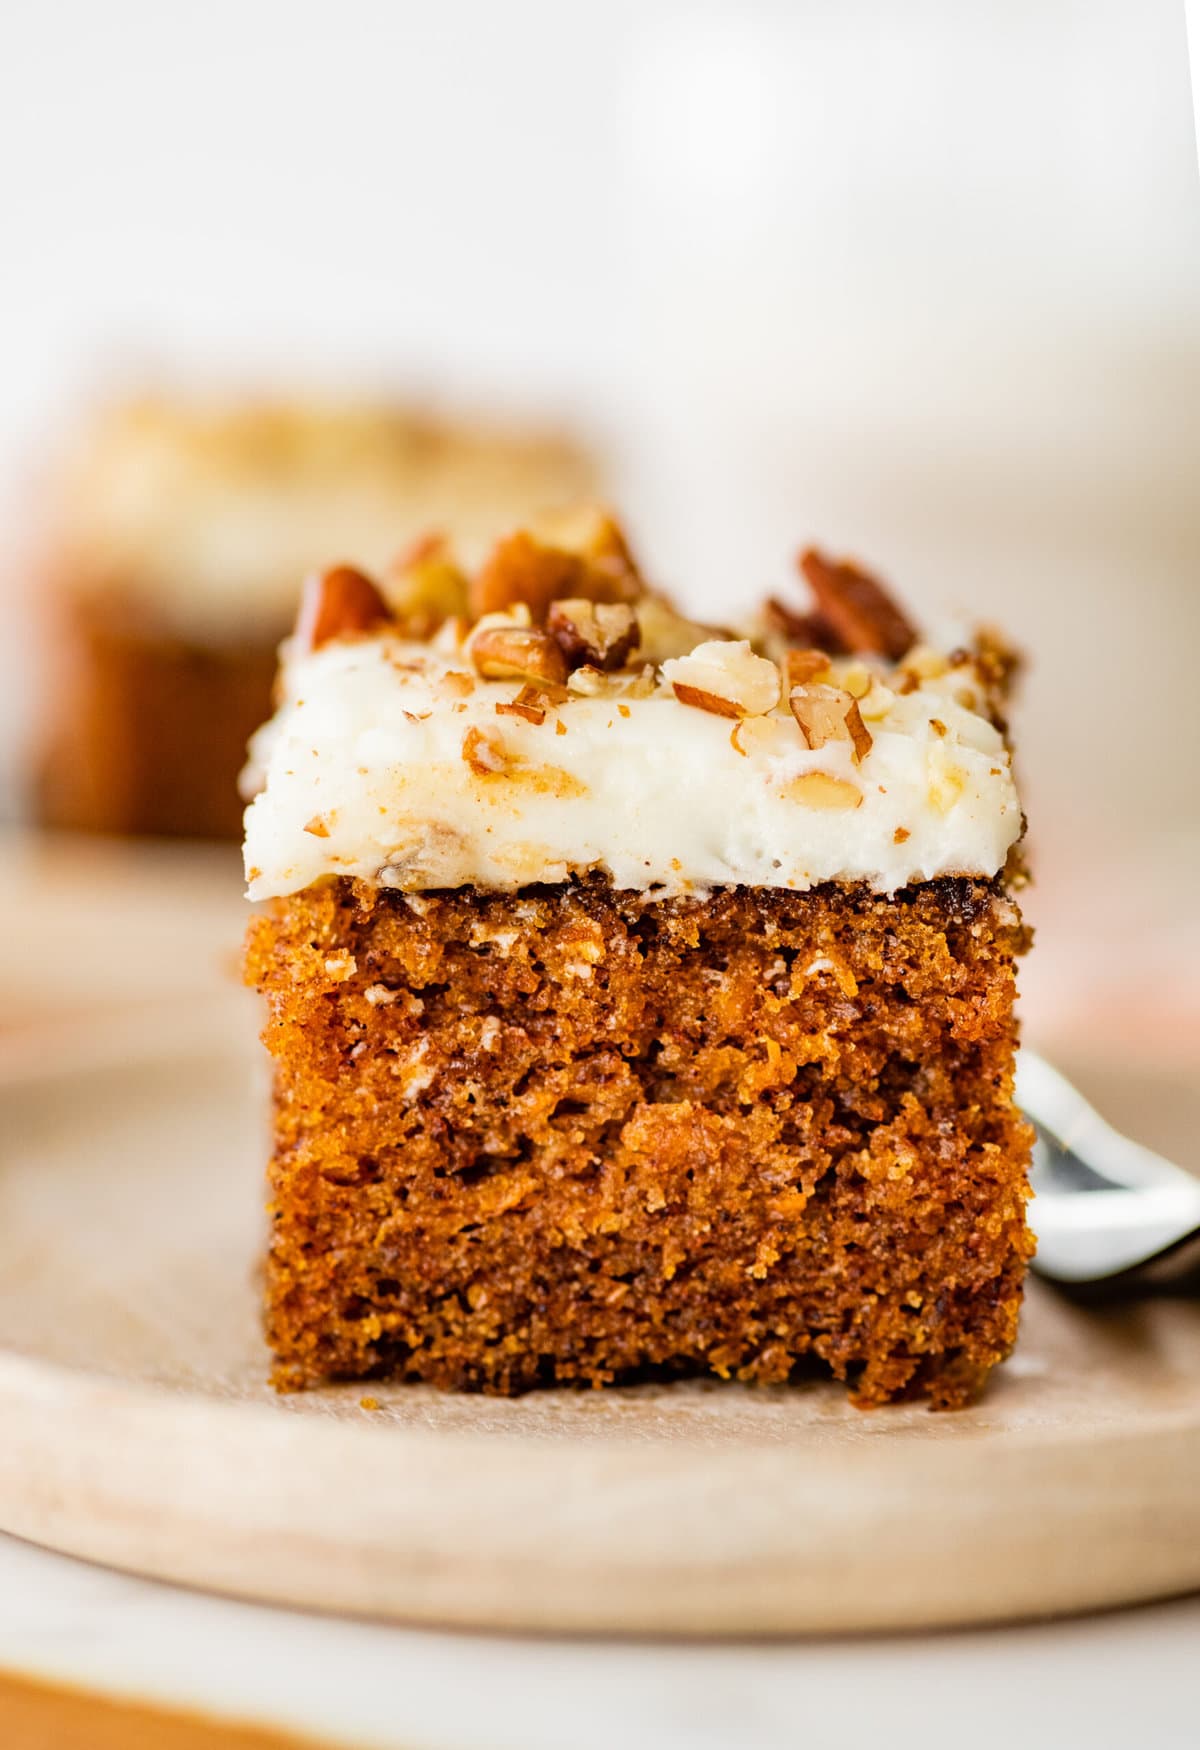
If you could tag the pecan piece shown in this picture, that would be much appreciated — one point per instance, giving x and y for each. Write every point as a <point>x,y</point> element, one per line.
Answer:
<point>830,714</point>
<point>518,653</point>
<point>529,704</point>
<point>598,539</point>
<point>666,634</point>
<point>336,603</point>
<point>584,556</point>
<point>705,701</point>
<point>811,629</point>
<point>600,633</point>
<point>802,666</point>
<point>519,569</point>
<point>426,587</point>
<point>485,754</point>
<point>589,682</point>
<point>857,606</point>
<point>726,677</point>
<point>822,790</point>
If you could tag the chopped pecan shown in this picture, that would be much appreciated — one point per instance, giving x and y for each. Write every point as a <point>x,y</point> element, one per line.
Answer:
<point>811,629</point>
<point>518,653</point>
<point>600,633</point>
<point>925,664</point>
<point>666,634</point>
<point>830,714</point>
<point>758,732</point>
<point>529,704</point>
<point>725,677</point>
<point>590,682</point>
<point>998,666</point>
<point>802,666</point>
<point>485,754</point>
<point>860,610</point>
<point>426,586</point>
<point>642,684</point>
<point>336,603</point>
<point>596,536</point>
<point>705,701</point>
<point>857,679</point>
<point>823,790</point>
<point>584,556</point>
<point>876,702</point>
<point>520,570</point>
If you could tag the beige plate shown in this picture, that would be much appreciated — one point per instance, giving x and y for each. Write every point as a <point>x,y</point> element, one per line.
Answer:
<point>136,1426</point>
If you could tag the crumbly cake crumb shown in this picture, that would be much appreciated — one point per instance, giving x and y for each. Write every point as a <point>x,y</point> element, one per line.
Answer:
<point>575,1135</point>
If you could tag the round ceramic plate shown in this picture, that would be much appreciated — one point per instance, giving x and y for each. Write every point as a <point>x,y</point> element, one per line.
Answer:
<point>139,1428</point>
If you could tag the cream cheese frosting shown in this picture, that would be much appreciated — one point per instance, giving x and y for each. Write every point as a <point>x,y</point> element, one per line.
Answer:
<point>389,760</point>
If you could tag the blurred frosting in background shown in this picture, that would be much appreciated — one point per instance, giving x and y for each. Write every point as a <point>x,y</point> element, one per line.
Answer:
<point>922,282</point>
<point>175,538</point>
<point>203,514</point>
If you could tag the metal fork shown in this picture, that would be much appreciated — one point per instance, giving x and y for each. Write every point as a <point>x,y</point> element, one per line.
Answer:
<point>1107,1212</point>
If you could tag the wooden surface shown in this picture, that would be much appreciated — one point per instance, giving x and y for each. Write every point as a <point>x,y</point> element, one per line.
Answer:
<point>139,1429</point>
<point>40,1716</point>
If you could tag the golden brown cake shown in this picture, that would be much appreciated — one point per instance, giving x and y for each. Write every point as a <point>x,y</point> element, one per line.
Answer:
<point>180,533</point>
<point>640,997</point>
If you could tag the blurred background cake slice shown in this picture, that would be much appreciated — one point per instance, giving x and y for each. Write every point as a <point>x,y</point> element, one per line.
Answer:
<point>180,533</point>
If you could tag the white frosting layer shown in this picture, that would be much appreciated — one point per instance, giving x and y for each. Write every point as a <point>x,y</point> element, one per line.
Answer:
<point>379,766</point>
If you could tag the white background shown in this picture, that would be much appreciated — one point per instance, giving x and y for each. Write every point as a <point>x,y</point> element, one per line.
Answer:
<point>920,281</point>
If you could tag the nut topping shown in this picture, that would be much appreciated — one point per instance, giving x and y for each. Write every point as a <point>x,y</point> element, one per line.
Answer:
<point>830,714</point>
<point>704,701</point>
<point>518,653</point>
<point>925,664</point>
<point>336,603</point>
<point>643,684</point>
<point>751,734</point>
<point>998,666</point>
<point>583,556</point>
<point>520,570</point>
<point>856,605</point>
<point>726,678</point>
<point>596,537</point>
<point>602,634</point>
<point>804,629</point>
<point>823,790</point>
<point>426,587</point>
<point>802,666</point>
<point>529,704</point>
<point>664,633</point>
<point>486,754</point>
<point>590,682</point>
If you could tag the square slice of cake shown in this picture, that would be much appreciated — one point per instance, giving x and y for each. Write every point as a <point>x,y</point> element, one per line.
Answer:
<point>640,993</point>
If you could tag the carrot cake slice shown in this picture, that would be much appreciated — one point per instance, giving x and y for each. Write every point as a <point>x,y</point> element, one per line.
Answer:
<point>640,993</point>
<point>179,531</point>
